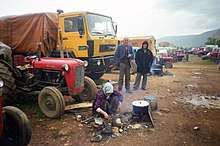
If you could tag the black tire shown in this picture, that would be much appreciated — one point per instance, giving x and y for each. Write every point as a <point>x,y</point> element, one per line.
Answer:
<point>175,59</point>
<point>95,76</point>
<point>17,128</point>
<point>133,67</point>
<point>168,65</point>
<point>51,102</point>
<point>90,90</point>
<point>9,85</point>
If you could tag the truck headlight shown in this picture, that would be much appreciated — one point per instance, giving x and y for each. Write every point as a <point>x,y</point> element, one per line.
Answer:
<point>65,67</point>
<point>86,63</point>
<point>98,62</point>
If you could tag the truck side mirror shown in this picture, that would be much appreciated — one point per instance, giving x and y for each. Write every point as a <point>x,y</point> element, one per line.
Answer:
<point>80,26</point>
<point>115,27</point>
<point>1,83</point>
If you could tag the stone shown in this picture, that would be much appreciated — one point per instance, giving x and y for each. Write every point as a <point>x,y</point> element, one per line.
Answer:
<point>120,130</point>
<point>136,126</point>
<point>166,110</point>
<point>158,113</point>
<point>196,128</point>
<point>115,129</point>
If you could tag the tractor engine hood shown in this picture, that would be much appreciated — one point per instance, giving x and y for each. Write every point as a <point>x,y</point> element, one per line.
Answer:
<point>56,63</point>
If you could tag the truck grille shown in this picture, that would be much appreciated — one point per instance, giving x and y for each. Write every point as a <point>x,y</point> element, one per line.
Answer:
<point>107,48</point>
<point>79,76</point>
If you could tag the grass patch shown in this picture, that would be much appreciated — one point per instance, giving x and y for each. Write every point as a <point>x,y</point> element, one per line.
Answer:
<point>56,134</point>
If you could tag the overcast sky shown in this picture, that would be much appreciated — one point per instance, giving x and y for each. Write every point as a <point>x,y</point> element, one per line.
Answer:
<point>134,17</point>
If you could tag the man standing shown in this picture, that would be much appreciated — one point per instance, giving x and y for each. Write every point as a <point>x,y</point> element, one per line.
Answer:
<point>144,60</point>
<point>123,57</point>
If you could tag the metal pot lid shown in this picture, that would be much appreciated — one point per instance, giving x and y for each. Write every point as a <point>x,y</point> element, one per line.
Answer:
<point>140,103</point>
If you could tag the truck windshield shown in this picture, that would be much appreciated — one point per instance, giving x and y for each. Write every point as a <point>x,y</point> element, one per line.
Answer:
<point>100,25</point>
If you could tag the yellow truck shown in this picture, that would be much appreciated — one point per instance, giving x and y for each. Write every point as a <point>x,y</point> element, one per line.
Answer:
<point>84,35</point>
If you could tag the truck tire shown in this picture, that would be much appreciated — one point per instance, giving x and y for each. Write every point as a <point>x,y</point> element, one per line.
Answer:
<point>17,128</point>
<point>90,90</point>
<point>95,76</point>
<point>9,85</point>
<point>133,67</point>
<point>168,65</point>
<point>51,102</point>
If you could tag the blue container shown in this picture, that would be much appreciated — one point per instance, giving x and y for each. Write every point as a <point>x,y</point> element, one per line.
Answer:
<point>152,101</point>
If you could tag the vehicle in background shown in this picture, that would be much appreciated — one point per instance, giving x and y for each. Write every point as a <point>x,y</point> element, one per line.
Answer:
<point>87,36</point>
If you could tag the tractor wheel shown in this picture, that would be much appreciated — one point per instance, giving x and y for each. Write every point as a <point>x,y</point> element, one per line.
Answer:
<point>17,127</point>
<point>95,76</point>
<point>90,90</point>
<point>9,85</point>
<point>133,67</point>
<point>168,65</point>
<point>175,59</point>
<point>51,102</point>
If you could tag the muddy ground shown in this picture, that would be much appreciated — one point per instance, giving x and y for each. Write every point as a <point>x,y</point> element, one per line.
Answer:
<point>176,121</point>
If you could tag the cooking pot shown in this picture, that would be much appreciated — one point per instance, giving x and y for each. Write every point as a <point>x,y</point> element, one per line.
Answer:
<point>140,107</point>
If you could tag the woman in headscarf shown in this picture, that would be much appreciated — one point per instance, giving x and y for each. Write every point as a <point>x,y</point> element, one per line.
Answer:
<point>108,101</point>
<point>144,60</point>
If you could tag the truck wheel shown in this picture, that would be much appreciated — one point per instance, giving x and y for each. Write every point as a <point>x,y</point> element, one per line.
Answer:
<point>17,127</point>
<point>133,67</point>
<point>90,90</point>
<point>51,102</point>
<point>9,85</point>
<point>168,65</point>
<point>95,76</point>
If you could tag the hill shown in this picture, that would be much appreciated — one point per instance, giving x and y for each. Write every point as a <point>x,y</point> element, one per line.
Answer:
<point>188,41</point>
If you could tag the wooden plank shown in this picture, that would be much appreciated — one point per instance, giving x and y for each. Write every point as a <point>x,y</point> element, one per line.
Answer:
<point>78,105</point>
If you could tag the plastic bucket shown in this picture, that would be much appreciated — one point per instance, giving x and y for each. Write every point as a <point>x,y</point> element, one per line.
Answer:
<point>152,101</point>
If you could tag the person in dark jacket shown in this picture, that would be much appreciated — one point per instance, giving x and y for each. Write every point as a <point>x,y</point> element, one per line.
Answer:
<point>144,60</point>
<point>108,101</point>
<point>123,57</point>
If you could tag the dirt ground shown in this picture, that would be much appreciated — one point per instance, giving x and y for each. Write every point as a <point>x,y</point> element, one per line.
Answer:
<point>176,121</point>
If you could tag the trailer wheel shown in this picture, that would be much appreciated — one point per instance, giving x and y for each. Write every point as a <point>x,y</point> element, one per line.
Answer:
<point>17,127</point>
<point>168,65</point>
<point>9,85</point>
<point>51,102</point>
<point>90,90</point>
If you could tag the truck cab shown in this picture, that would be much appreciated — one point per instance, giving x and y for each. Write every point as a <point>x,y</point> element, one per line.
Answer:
<point>90,37</point>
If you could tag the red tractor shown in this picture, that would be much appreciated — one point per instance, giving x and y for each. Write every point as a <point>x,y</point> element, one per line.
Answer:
<point>53,77</point>
<point>166,61</point>
<point>15,128</point>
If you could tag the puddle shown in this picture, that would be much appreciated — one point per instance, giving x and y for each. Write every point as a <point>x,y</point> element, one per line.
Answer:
<point>196,73</point>
<point>204,101</point>
<point>197,77</point>
<point>192,85</point>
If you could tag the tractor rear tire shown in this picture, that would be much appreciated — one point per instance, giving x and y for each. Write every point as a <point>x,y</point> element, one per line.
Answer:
<point>17,128</point>
<point>168,65</point>
<point>9,85</point>
<point>90,90</point>
<point>51,102</point>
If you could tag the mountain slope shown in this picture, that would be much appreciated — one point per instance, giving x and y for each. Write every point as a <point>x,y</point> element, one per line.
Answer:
<point>190,40</point>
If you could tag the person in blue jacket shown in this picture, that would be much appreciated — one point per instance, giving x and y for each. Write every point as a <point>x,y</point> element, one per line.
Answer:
<point>123,57</point>
<point>144,60</point>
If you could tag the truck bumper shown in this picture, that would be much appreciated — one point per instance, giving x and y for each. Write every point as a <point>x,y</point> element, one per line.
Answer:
<point>99,64</point>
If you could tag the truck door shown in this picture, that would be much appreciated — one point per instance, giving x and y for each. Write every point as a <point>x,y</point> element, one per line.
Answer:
<point>72,38</point>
